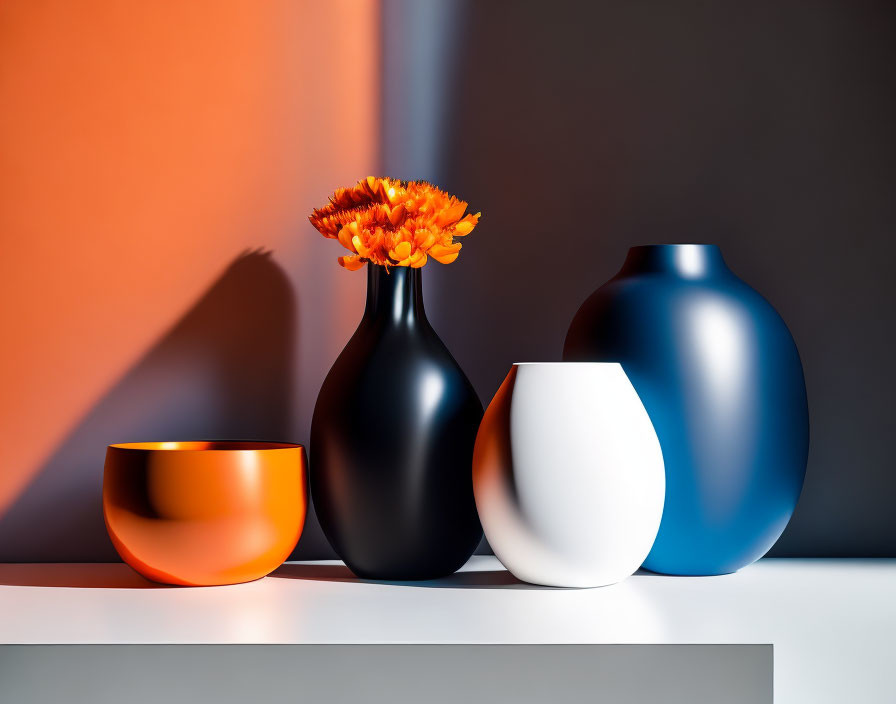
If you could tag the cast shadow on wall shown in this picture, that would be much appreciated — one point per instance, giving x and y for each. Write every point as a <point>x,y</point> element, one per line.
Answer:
<point>225,370</point>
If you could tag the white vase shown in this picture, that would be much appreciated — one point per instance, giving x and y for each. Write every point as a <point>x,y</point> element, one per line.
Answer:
<point>568,474</point>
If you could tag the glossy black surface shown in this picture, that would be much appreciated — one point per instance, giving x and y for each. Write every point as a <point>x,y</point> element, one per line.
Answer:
<point>392,442</point>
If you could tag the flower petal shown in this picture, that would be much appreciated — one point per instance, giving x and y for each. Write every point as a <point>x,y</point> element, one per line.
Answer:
<point>445,259</point>
<point>359,246</point>
<point>397,214</point>
<point>465,226</point>
<point>441,250</point>
<point>451,214</point>
<point>352,262</point>
<point>401,251</point>
<point>425,239</point>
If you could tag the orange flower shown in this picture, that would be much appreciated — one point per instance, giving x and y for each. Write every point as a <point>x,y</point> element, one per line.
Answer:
<point>394,223</point>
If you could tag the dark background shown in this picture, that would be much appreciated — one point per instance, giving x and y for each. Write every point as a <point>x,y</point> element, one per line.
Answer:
<point>581,129</point>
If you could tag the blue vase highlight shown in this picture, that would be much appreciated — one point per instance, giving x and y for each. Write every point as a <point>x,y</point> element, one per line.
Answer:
<point>721,378</point>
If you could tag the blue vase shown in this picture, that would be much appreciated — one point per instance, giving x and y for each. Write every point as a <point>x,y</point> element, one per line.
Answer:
<point>721,378</point>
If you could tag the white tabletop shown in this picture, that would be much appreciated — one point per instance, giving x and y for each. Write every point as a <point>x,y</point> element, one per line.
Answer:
<point>832,622</point>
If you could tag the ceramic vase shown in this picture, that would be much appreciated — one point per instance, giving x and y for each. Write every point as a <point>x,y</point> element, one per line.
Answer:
<point>392,441</point>
<point>720,376</point>
<point>568,475</point>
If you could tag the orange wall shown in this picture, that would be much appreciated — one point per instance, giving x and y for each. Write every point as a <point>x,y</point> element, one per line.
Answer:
<point>143,147</point>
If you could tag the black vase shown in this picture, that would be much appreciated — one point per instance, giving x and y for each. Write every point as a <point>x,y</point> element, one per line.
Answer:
<point>392,442</point>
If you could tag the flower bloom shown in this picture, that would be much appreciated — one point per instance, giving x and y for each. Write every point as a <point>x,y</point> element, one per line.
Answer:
<point>394,223</point>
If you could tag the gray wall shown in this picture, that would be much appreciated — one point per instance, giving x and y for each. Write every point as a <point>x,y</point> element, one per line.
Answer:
<point>580,129</point>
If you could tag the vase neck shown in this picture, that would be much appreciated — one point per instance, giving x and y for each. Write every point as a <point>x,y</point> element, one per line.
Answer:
<point>394,295</point>
<point>690,261</point>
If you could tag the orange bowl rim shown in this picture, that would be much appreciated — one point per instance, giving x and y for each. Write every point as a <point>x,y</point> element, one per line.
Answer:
<point>182,446</point>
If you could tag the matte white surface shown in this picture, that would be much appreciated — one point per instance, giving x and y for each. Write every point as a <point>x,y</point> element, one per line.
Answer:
<point>568,474</point>
<point>832,622</point>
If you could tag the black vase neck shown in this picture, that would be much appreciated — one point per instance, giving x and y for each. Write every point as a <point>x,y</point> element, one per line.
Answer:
<point>690,261</point>
<point>395,295</point>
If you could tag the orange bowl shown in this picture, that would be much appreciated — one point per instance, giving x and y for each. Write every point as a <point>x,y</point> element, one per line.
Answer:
<point>204,513</point>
